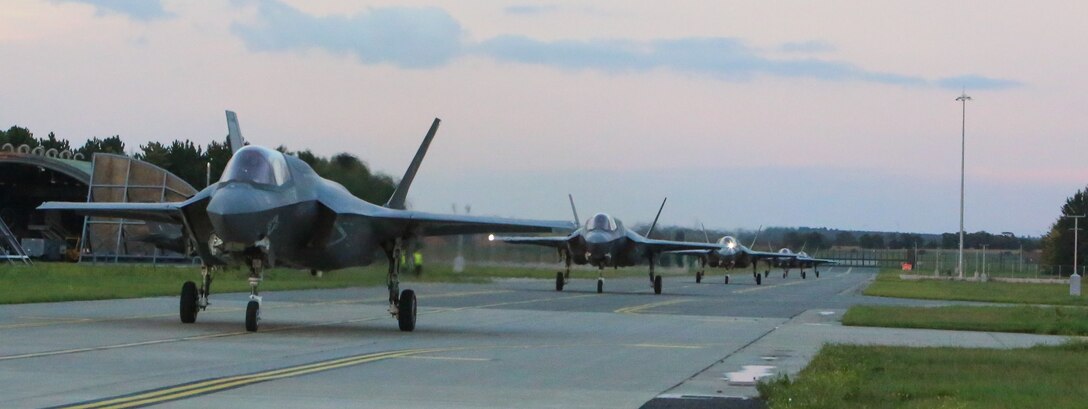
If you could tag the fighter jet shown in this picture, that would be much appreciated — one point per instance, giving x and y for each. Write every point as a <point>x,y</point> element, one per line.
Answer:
<point>605,242</point>
<point>271,209</point>
<point>729,253</point>
<point>799,260</point>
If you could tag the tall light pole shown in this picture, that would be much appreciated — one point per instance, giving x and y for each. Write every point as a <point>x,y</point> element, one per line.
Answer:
<point>1076,234</point>
<point>963,158</point>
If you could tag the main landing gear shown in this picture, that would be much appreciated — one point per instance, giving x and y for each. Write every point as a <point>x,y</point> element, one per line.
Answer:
<point>562,278</point>
<point>655,280</point>
<point>802,274</point>
<point>194,300</point>
<point>756,275</point>
<point>402,304</point>
<point>702,268</point>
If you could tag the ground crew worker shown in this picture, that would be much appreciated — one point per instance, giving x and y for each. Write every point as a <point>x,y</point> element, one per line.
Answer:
<point>418,259</point>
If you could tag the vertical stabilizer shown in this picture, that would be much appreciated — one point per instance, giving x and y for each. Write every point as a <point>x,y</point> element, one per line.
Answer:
<point>651,231</point>
<point>234,133</point>
<point>401,194</point>
<point>577,221</point>
<point>756,237</point>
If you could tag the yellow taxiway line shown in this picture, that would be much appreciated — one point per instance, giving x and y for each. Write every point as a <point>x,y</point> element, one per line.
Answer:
<point>173,393</point>
<point>635,309</point>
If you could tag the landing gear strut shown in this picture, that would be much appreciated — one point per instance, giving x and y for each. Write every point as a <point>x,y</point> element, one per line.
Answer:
<point>253,307</point>
<point>562,277</point>
<point>600,279</point>
<point>655,280</point>
<point>402,305</point>
<point>702,269</point>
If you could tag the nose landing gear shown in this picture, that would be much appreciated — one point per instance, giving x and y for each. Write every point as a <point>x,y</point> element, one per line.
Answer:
<point>253,307</point>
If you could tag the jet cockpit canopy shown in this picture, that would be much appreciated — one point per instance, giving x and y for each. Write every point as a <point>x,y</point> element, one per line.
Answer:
<point>257,164</point>
<point>728,242</point>
<point>601,222</point>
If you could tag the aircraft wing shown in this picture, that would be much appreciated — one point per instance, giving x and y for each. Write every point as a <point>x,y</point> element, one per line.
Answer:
<point>547,241</point>
<point>822,261</point>
<point>433,224</point>
<point>698,252</point>
<point>760,255</point>
<point>661,246</point>
<point>168,212</point>
<point>159,212</point>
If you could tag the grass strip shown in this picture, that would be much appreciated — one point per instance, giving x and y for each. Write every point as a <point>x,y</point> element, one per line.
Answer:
<point>874,377</point>
<point>888,284</point>
<point>54,282</point>
<point>1048,320</point>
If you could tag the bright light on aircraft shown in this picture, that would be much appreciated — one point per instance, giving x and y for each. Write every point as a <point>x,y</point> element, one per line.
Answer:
<point>490,237</point>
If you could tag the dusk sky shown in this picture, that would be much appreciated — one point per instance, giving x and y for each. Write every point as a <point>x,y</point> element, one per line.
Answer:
<point>834,114</point>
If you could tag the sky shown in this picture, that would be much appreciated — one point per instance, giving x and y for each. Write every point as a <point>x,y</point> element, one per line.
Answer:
<point>837,114</point>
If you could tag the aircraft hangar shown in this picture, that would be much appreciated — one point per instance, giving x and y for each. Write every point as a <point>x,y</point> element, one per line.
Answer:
<point>29,177</point>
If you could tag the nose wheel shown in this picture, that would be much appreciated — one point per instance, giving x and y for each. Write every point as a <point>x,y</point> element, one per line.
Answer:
<point>600,285</point>
<point>698,277</point>
<point>559,281</point>
<point>657,284</point>
<point>727,278</point>
<point>253,314</point>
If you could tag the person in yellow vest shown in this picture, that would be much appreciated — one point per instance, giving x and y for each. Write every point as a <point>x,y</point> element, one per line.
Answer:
<point>418,259</point>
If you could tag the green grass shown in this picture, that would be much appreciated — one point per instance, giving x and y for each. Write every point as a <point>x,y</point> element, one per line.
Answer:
<point>51,282</point>
<point>888,284</point>
<point>845,376</point>
<point>1050,320</point>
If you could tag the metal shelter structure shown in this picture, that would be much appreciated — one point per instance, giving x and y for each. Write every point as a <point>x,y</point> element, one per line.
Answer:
<point>118,178</point>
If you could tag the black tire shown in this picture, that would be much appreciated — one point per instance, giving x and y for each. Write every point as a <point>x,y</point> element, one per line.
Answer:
<point>817,274</point>
<point>802,275</point>
<point>657,284</point>
<point>406,316</point>
<point>188,302</point>
<point>253,314</point>
<point>759,279</point>
<point>600,286</point>
<point>784,275</point>
<point>559,281</point>
<point>727,278</point>
<point>698,277</point>
<point>766,273</point>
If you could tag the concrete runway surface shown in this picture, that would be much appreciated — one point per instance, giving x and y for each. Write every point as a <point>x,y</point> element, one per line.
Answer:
<point>512,343</point>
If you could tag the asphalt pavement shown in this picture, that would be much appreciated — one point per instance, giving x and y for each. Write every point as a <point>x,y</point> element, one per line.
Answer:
<point>511,343</point>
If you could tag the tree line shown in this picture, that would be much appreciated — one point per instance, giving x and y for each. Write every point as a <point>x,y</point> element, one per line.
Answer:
<point>191,161</point>
<point>813,239</point>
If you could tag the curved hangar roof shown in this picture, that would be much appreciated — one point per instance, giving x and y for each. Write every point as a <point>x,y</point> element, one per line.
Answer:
<point>76,169</point>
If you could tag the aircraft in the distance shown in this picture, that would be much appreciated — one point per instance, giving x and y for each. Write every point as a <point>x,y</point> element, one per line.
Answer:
<point>729,254</point>
<point>799,260</point>
<point>605,242</point>
<point>272,209</point>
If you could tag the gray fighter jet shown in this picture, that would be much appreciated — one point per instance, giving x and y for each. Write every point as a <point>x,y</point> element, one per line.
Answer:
<point>605,242</point>
<point>271,209</point>
<point>799,260</point>
<point>729,254</point>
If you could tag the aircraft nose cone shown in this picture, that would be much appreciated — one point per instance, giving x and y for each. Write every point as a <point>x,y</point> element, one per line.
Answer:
<point>240,213</point>
<point>598,246</point>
